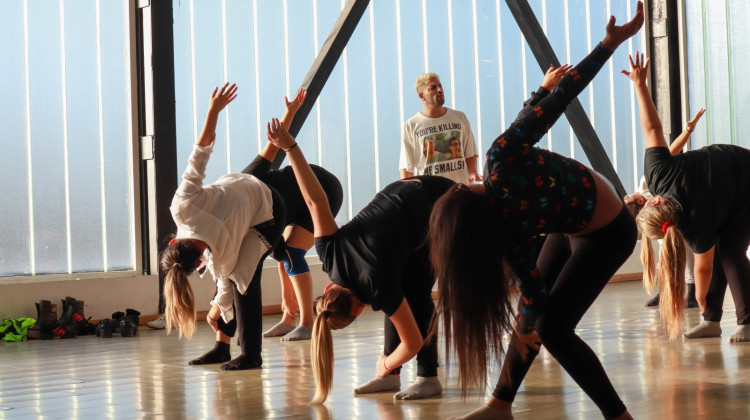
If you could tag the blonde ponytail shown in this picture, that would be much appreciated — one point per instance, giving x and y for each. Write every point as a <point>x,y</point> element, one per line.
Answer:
<point>672,282</point>
<point>659,222</point>
<point>321,348</point>
<point>178,261</point>
<point>648,259</point>
<point>179,302</point>
<point>334,312</point>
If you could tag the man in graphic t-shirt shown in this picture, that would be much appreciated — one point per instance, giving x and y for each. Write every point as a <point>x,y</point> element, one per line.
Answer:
<point>438,140</point>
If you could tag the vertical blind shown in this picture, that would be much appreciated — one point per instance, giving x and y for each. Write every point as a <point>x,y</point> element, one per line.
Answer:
<point>354,130</point>
<point>67,132</point>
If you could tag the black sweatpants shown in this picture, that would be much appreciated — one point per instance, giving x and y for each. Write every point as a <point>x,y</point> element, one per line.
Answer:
<point>575,269</point>
<point>731,266</point>
<point>417,290</point>
<point>248,307</point>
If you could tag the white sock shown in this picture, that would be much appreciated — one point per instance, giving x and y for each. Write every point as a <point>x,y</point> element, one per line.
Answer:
<point>421,388</point>
<point>282,328</point>
<point>487,413</point>
<point>300,333</point>
<point>378,384</point>
<point>742,334</point>
<point>705,329</point>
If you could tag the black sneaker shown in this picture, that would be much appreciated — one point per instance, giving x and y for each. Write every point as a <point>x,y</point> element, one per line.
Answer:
<point>653,302</point>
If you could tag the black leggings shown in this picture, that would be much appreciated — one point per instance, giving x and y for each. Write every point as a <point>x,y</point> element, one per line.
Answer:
<point>248,308</point>
<point>731,266</point>
<point>575,269</point>
<point>418,294</point>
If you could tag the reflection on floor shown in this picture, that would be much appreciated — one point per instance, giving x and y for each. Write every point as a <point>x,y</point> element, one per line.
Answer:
<point>147,376</point>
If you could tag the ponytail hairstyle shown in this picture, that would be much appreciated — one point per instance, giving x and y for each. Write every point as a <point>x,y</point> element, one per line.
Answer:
<point>334,312</point>
<point>467,256</point>
<point>660,222</point>
<point>178,261</point>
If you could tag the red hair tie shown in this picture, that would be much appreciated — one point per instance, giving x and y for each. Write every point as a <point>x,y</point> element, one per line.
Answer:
<point>666,226</point>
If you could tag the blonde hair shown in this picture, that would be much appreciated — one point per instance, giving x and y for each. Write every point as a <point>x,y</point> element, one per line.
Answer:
<point>334,312</point>
<point>178,262</point>
<point>659,222</point>
<point>422,79</point>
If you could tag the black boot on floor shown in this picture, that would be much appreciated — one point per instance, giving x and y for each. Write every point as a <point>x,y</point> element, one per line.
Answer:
<point>104,328</point>
<point>50,327</point>
<point>690,298</point>
<point>73,318</point>
<point>218,354</point>
<point>33,332</point>
<point>242,363</point>
<point>653,302</point>
<point>126,323</point>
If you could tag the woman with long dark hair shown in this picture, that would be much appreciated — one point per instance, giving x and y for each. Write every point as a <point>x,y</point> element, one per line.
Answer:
<point>378,258</point>
<point>700,200</point>
<point>479,232</point>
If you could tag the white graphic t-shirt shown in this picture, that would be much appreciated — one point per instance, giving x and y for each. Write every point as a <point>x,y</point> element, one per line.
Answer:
<point>438,146</point>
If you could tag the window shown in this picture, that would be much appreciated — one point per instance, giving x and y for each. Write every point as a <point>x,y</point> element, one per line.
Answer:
<point>67,127</point>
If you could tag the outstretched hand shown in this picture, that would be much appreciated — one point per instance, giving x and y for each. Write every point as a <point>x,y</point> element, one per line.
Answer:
<point>616,35</point>
<point>294,105</point>
<point>638,70</point>
<point>221,99</point>
<point>278,135</point>
<point>553,75</point>
<point>690,125</point>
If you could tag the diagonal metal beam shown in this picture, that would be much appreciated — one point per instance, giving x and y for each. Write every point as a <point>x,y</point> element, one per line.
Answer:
<point>580,123</point>
<point>325,62</point>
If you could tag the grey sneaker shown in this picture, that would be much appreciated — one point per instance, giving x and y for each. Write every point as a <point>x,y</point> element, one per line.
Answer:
<point>158,324</point>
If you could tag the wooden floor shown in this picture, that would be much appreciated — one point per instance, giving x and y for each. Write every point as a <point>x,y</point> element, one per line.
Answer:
<point>148,377</point>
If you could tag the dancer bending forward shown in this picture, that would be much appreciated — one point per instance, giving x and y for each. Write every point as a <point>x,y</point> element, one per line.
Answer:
<point>476,230</point>
<point>230,227</point>
<point>700,198</point>
<point>378,258</point>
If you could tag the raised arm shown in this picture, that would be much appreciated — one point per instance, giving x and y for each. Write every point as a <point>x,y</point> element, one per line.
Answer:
<point>650,123</point>
<point>192,177</point>
<point>315,197</point>
<point>270,150</point>
<point>679,143</point>
<point>217,102</point>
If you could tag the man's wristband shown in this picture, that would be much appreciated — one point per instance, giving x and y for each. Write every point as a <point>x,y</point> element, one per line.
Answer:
<point>292,147</point>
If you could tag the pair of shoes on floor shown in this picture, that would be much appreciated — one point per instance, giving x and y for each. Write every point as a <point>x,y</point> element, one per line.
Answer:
<point>125,323</point>
<point>220,354</point>
<point>159,323</point>
<point>48,326</point>
<point>73,318</point>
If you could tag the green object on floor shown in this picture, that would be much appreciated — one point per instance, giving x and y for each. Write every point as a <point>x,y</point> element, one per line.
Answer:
<point>15,329</point>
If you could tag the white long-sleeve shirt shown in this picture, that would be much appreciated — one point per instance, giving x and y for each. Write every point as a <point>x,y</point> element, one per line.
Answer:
<point>222,215</point>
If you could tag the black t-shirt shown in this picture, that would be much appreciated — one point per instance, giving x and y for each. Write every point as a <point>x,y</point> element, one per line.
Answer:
<point>711,185</point>
<point>285,183</point>
<point>369,254</point>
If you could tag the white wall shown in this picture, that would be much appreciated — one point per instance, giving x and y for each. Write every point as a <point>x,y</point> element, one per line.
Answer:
<point>103,296</point>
